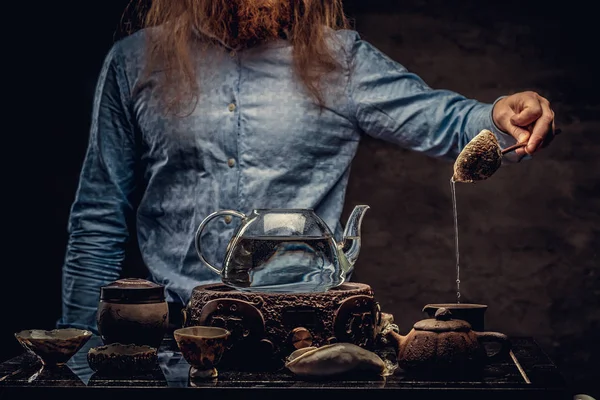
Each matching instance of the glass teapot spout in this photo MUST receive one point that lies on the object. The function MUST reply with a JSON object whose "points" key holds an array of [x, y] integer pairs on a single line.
{"points": [[350, 245]]}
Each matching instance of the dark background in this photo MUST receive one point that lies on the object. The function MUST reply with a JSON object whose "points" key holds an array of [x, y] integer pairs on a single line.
{"points": [[529, 236]]}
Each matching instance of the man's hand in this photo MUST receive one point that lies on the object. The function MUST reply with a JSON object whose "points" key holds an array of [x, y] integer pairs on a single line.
{"points": [[526, 116]]}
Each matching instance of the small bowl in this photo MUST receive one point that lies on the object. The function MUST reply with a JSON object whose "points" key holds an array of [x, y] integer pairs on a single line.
{"points": [[122, 359], [54, 347], [202, 347]]}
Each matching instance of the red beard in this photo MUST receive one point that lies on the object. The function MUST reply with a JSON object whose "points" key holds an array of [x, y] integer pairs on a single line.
{"points": [[242, 23]]}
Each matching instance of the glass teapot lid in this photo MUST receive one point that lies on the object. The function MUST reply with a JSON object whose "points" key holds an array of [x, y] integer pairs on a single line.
{"points": [[285, 222]]}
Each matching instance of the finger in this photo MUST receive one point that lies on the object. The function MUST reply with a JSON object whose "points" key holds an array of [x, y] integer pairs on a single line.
{"points": [[543, 127], [530, 113], [521, 153], [521, 134], [523, 138]]}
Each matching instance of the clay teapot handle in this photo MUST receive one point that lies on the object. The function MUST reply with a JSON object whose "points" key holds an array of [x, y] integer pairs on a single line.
{"points": [[501, 338]]}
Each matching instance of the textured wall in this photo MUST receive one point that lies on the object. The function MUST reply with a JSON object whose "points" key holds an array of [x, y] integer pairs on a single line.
{"points": [[529, 236]]}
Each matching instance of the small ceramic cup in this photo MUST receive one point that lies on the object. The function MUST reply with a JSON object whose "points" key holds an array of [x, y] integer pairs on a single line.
{"points": [[54, 347], [202, 347]]}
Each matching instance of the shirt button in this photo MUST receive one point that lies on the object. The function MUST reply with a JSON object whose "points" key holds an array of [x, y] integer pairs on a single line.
{"points": [[231, 107], [232, 53], [228, 219], [231, 162]]}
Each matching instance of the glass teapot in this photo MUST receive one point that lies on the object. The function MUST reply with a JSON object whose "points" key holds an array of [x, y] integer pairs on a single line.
{"points": [[286, 251]]}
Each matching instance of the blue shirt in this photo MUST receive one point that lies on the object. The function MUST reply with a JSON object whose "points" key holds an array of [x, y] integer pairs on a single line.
{"points": [[256, 139]]}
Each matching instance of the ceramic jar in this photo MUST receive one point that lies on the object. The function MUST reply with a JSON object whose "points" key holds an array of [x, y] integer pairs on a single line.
{"points": [[133, 311]]}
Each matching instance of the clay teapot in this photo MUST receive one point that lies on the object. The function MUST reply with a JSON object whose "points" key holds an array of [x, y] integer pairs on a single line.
{"points": [[285, 251], [446, 346]]}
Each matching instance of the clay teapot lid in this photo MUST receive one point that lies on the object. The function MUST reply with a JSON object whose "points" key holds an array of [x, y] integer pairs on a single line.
{"points": [[133, 291], [442, 322]]}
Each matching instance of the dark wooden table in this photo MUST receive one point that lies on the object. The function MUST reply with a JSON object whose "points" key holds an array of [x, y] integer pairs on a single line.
{"points": [[527, 374]]}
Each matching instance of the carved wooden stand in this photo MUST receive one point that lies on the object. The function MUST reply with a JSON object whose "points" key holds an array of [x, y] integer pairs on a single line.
{"points": [[267, 327]]}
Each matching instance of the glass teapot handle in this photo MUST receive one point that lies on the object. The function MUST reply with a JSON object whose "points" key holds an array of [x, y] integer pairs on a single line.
{"points": [[201, 228]]}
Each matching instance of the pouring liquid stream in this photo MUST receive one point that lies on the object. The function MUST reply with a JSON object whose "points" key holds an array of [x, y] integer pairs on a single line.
{"points": [[456, 248]]}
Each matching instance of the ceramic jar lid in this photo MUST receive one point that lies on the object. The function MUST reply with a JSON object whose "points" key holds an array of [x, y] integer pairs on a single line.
{"points": [[132, 291]]}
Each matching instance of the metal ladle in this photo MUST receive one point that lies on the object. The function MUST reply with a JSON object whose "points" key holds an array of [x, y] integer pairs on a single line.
{"points": [[480, 158]]}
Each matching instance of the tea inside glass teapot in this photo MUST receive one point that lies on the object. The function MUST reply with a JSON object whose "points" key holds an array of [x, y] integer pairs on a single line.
{"points": [[286, 251]]}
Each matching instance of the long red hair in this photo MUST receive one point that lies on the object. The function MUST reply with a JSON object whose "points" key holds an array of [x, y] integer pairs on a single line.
{"points": [[305, 23]]}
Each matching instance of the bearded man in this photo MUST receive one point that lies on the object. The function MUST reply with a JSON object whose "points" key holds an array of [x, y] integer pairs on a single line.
{"points": [[246, 104]]}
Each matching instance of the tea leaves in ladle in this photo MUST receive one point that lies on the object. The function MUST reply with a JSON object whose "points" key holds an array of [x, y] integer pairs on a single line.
{"points": [[480, 158]]}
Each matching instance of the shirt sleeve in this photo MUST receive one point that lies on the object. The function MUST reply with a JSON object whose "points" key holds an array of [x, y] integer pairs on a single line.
{"points": [[97, 226], [395, 105]]}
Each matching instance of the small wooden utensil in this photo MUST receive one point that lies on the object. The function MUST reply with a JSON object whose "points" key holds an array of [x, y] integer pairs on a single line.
{"points": [[513, 147]]}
